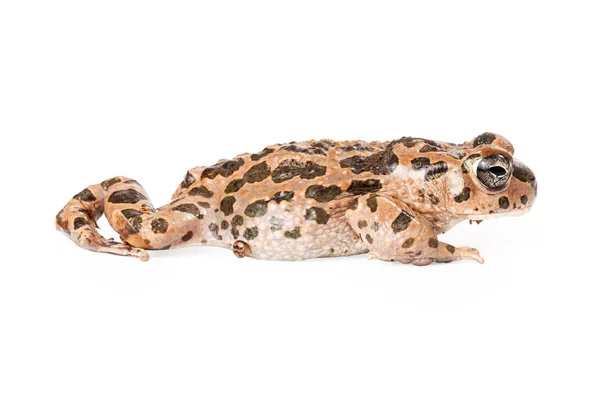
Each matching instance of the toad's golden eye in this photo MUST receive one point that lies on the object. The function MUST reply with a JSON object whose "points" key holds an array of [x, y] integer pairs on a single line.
{"points": [[493, 172]]}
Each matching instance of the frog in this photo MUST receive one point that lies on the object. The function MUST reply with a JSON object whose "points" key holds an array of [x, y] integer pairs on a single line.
{"points": [[314, 199]]}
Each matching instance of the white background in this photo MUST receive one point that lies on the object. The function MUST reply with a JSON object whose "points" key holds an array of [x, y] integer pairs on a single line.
{"points": [[89, 90]]}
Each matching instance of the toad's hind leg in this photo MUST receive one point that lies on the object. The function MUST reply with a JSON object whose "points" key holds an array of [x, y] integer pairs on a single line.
{"points": [[394, 232], [130, 212], [78, 218]]}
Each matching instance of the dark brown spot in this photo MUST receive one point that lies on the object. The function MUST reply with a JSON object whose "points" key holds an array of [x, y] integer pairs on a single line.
{"points": [[433, 199], [372, 203], [381, 163], [323, 144], [321, 193], [224, 225], [234, 185], [375, 226], [408, 242], [420, 162], [190, 209], [225, 169], [353, 205], [362, 224], [127, 196], [130, 213], [251, 233], [436, 170], [63, 224], [257, 156], [317, 214], [464, 195], [450, 248], [109, 182], [433, 171], [369, 238], [85, 195], [257, 209], [524, 200], [235, 232], [293, 234], [401, 222], [411, 142], [187, 180], [503, 202], [484, 138], [366, 186], [79, 222], [283, 196], [132, 181], [147, 208], [257, 173], [159, 225], [289, 169], [136, 222], [89, 216], [312, 150], [238, 220], [214, 229], [227, 205], [360, 146], [524, 174], [201, 191], [429, 148], [187, 236], [433, 243], [204, 205]]}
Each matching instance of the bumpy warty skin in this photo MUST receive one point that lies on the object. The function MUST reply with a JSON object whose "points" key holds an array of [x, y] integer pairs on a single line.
{"points": [[319, 198]]}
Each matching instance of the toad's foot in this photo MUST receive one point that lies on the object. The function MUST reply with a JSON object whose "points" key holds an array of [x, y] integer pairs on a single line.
{"points": [[456, 253], [102, 245]]}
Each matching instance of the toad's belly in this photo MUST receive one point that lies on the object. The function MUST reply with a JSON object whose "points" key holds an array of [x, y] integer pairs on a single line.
{"points": [[308, 240], [293, 232]]}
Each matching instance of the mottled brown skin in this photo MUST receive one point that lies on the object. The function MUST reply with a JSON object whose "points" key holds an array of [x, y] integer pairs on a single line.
{"points": [[317, 199]]}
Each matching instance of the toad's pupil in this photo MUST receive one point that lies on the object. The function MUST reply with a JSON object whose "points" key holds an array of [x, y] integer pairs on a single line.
{"points": [[498, 171]]}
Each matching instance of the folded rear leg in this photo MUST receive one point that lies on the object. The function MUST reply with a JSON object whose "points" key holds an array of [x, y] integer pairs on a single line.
{"points": [[130, 212], [78, 218]]}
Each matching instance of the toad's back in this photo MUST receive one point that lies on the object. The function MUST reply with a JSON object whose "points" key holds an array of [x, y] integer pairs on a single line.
{"points": [[291, 201]]}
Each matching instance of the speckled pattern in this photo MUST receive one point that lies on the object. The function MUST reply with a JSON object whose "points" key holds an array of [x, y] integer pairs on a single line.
{"points": [[320, 198]]}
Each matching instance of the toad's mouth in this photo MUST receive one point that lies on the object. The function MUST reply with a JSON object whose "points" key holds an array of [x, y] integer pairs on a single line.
{"points": [[515, 212]]}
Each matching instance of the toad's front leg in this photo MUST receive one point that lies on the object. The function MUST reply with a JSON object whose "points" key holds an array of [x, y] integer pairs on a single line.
{"points": [[394, 232]]}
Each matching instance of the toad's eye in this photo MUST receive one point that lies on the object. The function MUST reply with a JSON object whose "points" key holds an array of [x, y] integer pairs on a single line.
{"points": [[493, 172]]}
